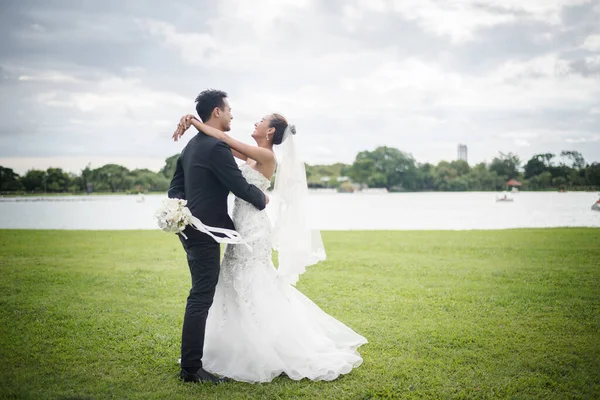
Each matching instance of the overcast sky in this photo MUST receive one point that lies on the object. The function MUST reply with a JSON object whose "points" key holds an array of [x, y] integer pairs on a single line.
{"points": [[106, 81]]}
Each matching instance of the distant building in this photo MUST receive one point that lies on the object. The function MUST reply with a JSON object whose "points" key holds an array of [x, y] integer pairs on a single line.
{"points": [[462, 152]]}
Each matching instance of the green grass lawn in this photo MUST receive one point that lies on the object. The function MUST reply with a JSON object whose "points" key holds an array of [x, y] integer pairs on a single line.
{"points": [[480, 314]]}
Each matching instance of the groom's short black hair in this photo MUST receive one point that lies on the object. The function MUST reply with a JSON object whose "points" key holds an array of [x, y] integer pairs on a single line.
{"points": [[207, 101]]}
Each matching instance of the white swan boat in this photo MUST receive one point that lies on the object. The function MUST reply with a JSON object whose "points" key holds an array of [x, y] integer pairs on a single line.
{"points": [[505, 199]]}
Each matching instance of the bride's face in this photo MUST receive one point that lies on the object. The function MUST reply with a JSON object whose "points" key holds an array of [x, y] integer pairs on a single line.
{"points": [[262, 128]]}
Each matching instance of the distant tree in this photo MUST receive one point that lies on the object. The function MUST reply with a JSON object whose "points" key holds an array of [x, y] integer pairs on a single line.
{"points": [[426, 176], [460, 184], [319, 176], [545, 179], [385, 167], [592, 175], [481, 178], [111, 177], [574, 158], [87, 177], [538, 164], [77, 184], [326, 170], [170, 164], [57, 180], [506, 165], [147, 180], [377, 180], [333, 183], [444, 175], [34, 180], [9, 180], [461, 167], [559, 182], [361, 170]]}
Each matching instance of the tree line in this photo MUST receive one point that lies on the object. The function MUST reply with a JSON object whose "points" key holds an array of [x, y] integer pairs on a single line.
{"points": [[384, 167], [110, 178], [395, 170]]}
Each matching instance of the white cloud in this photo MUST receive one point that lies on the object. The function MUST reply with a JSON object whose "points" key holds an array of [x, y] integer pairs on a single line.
{"points": [[412, 84], [270, 11], [521, 135], [461, 19], [548, 135], [458, 20], [584, 139], [60, 26], [522, 143], [194, 48], [543, 37], [49, 76], [399, 83], [344, 73], [548, 10], [592, 43], [239, 38], [114, 95], [38, 28], [400, 91]]}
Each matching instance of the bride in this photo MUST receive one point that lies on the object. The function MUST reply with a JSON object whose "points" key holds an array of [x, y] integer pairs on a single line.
{"points": [[260, 326]]}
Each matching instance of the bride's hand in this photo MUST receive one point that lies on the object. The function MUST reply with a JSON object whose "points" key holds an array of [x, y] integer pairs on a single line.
{"points": [[184, 124]]}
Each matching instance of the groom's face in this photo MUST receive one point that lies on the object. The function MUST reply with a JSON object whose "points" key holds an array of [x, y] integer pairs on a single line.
{"points": [[225, 116]]}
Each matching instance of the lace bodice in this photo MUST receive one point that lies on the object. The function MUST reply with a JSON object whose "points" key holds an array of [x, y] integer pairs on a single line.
{"points": [[254, 226], [255, 178]]}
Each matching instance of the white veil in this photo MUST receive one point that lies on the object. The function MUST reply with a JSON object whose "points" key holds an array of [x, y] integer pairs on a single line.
{"points": [[297, 244]]}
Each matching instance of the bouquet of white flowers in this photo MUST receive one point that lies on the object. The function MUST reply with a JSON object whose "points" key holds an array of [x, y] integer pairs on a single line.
{"points": [[173, 216]]}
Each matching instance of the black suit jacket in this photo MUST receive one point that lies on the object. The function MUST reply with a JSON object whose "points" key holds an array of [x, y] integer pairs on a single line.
{"points": [[205, 174]]}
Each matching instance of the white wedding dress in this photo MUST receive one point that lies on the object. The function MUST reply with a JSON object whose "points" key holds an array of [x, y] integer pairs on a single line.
{"points": [[258, 327]]}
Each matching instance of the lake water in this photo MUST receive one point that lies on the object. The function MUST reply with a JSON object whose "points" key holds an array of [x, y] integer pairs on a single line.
{"points": [[330, 211]]}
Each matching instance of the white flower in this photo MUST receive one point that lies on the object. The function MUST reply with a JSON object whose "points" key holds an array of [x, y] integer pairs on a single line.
{"points": [[173, 215]]}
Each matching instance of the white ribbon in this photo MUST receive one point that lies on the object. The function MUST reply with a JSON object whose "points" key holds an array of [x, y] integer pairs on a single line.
{"points": [[231, 236]]}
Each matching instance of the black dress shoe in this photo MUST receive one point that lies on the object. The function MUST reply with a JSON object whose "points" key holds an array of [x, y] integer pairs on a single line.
{"points": [[201, 376]]}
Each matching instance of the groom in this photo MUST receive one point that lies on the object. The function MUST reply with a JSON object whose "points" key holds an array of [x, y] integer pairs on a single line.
{"points": [[205, 174]]}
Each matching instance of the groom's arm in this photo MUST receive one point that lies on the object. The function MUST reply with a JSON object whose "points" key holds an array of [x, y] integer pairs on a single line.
{"points": [[177, 187], [227, 171]]}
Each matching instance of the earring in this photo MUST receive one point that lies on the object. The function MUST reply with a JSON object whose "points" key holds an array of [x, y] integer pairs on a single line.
{"points": [[267, 137]]}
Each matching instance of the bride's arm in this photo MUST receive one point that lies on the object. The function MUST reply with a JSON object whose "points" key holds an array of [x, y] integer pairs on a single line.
{"points": [[262, 156], [239, 155], [185, 123]]}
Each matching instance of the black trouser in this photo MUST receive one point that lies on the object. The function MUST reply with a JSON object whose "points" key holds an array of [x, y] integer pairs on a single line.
{"points": [[204, 262]]}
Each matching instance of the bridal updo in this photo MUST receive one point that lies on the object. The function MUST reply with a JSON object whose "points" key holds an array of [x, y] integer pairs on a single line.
{"points": [[280, 124]]}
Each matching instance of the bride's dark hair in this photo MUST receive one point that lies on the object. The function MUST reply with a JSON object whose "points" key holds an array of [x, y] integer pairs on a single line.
{"points": [[279, 122]]}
